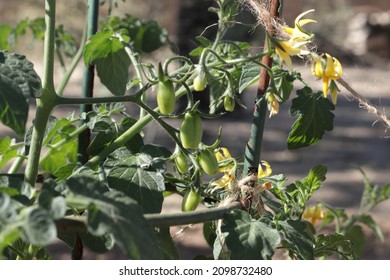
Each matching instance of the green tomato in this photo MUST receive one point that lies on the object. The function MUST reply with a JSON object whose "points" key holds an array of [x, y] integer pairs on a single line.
{"points": [[208, 161], [181, 163], [200, 82], [166, 97], [190, 201], [191, 131], [229, 103]]}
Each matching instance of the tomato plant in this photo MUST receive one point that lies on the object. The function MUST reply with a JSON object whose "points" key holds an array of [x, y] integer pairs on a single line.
{"points": [[114, 192]]}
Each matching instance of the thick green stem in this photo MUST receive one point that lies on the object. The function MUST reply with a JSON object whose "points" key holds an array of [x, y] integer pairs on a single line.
{"points": [[88, 81], [253, 148], [48, 100], [159, 220]]}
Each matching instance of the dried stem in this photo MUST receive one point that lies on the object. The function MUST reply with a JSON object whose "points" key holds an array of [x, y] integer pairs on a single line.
{"points": [[365, 103]]}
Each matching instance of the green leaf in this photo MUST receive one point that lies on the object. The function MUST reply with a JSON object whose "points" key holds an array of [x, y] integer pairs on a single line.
{"points": [[8, 209], [101, 45], [166, 244], [315, 178], [111, 60], [209, 233], [385, 192], [197, 51], [13, 106], [5, 33], [203, 41], [5, 144], [145, 36], [39, 227], [56, 131], [369, 221], [18, 82], [250, 74], [112, 212], [357, 237], [65, 41], [7, 236], [298, 240], [8, 150], [113, 71], [282, 82], [138, 177], [315, 117], [37, 27], [247, 238], [21, 72], [65, 171], [51, 200], [101, 141], [156, 151], [330, 244], [18, 184], [153, 37], [108, 131]]}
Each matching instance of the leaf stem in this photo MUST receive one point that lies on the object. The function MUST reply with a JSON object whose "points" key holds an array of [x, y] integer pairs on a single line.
{"points": [[72, 67], [138, 70]]}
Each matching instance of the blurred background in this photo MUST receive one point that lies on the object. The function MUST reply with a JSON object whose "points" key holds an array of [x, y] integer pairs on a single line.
{"points": [[357, 32]]}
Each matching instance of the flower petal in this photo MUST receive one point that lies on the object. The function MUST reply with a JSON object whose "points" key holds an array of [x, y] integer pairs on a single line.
{"points": [[325, 85], [264, 172], [298, 18]]}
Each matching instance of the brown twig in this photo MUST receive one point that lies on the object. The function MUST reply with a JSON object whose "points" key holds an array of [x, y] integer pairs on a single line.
{"points": [[365, 103]]}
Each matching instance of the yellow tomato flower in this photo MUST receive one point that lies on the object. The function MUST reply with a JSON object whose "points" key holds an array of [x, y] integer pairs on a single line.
{"points": [[298, 34], [227, 180], [313, 213], [327, 68], [221, 155], [261, 173], [285, 49], [295, 44]]}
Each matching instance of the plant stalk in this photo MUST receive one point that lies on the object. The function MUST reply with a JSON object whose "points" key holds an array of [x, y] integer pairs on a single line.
{"points": [[88, 79], [67, 225], [253, 147], [48, 99]]}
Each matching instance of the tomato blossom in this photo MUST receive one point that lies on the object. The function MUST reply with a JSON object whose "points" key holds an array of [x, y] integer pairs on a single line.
{"points": [[298, 34], [313, 213], [285, 49], [296, 43], [261, 173], [328, 69], [227, 166]]}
